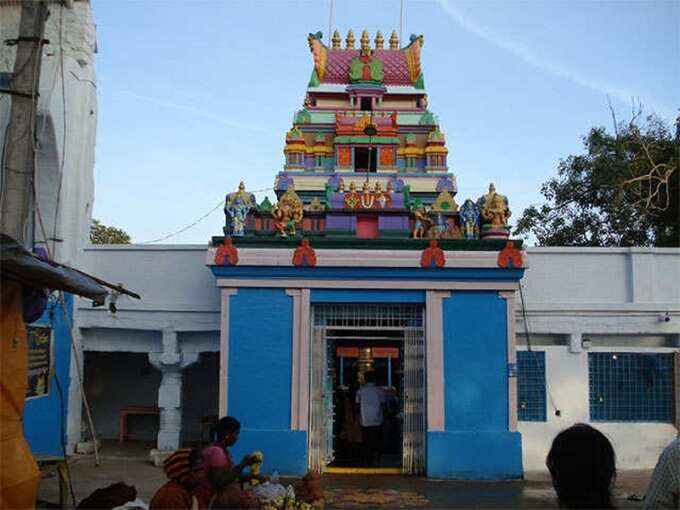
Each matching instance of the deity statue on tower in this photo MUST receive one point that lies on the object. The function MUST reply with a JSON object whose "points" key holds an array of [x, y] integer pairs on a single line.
{"points": [[236, 207], [469, 218], [288, 213], [495, 214]]}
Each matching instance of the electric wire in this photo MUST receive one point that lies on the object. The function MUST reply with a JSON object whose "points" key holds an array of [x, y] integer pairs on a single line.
{"points": [[557, 410], [196, 222], [64, 125]]}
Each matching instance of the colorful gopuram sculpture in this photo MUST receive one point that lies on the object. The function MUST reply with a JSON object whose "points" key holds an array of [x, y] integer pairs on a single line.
{"points": [[365, 157], [236, 207]]}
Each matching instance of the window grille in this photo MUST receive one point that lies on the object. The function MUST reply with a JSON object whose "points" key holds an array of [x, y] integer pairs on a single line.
{"points": [[631, 387], [368, 316], [531, 386]]}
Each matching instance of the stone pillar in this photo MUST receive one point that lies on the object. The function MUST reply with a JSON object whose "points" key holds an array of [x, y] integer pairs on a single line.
{"points": [[170, 403], [170, 362]]}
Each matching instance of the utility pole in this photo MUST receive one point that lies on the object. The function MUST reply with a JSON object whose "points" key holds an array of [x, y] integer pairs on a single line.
{"points": [[20, 158]]}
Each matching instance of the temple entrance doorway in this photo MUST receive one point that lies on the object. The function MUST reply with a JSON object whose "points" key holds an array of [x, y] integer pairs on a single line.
{"points": [[354, 343]]}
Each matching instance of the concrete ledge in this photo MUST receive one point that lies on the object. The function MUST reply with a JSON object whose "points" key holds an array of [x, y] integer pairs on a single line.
{"points": [[285, 451], [486, 455]]}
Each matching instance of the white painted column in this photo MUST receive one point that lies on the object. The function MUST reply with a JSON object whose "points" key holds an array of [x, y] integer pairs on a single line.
{"points": [[434, 345], [225, 293], [509, 297], [299, 411], [170, 362]]}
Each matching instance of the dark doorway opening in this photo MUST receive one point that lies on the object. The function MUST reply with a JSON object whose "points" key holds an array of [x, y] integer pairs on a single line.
{"points": [[367, 104], [355, 353], [200, 398], [114, 381], [365, 159]]}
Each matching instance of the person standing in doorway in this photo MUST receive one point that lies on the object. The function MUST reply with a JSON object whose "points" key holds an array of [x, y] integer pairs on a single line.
{"points": [[370, 399]]}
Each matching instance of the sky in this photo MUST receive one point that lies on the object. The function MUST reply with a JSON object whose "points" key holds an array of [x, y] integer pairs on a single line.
{"points": [[197, 95]]}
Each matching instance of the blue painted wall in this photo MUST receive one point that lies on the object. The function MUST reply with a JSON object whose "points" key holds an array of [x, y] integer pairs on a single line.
{"points": [[45, 417], [260, 372], [447, 274], [476, 443]]}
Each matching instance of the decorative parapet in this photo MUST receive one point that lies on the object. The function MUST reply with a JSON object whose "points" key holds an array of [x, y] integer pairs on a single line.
{"points": [[510, 257], [433, 256], [226, 255], [304, 255]]}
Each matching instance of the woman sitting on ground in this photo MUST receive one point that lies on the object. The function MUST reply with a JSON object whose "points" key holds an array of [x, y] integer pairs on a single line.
{"points": [[223, 475], [187, 487], [582, 465]]}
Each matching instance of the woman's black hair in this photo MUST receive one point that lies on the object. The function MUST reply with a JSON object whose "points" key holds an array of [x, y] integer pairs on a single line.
{"points": [[582, 464], [224, 426]]}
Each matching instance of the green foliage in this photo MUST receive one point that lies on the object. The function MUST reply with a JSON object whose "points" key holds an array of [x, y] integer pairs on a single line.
{"points": [[101, 234], [623, 191]]}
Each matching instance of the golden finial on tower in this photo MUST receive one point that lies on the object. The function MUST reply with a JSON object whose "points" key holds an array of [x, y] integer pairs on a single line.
{"points": [[394, 40], [350, 40], [336, 40], [379, 40], [365, 42]]}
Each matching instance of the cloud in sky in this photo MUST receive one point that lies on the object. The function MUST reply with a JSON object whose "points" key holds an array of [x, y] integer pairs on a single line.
{"points": [[525, 53], [196, 112]]}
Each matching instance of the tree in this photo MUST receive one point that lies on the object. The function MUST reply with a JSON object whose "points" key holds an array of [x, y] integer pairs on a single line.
{"points": [[101, 234], [623, 191]]}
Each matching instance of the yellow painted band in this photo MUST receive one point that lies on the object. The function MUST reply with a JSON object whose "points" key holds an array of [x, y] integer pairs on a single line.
{"points": [[362, 471]]}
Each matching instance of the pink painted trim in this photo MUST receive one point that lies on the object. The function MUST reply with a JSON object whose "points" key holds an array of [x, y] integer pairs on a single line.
{"points": [[295, 369], [434, 332], [224, 349], [304, 362], [299, 402], [509, 297]]}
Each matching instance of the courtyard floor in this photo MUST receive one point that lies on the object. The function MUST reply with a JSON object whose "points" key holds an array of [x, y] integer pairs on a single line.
{"points": [[130, 464]]}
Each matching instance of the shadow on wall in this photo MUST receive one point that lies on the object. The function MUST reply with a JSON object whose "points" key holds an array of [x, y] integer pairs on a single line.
{"points": [[200, 395]]}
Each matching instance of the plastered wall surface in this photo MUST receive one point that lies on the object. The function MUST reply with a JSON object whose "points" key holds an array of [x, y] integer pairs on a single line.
{"points": [[568, 291], [637, 444]]}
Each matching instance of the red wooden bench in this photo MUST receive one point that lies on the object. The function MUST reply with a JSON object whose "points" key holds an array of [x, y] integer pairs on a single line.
{"points": [[133, 410]]}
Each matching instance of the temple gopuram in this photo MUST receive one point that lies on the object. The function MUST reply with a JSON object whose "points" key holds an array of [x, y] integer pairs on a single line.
{"points": [[367, 263]]}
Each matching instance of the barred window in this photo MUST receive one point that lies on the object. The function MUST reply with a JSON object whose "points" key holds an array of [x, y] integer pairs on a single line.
{"points": [[631, 386], [531, 386]]}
